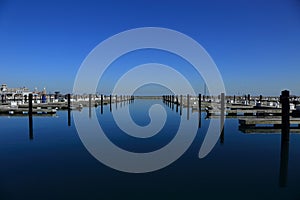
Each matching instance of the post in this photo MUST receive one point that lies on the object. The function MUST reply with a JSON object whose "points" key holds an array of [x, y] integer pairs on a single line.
{"points": [[199, 105], [222, 117], [69, 109], [249, 98], [180, 105], [199, 102], [172, 102], [233, 98], [260, 98], [110, 103], [116, 102], [2, 98], [285, 115], [188, 106], [30, 117], [177, 103], [30, 105], [101, 100], [90, 100]]}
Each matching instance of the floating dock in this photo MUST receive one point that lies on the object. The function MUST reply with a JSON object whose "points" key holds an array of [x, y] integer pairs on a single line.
{"points": [[246, 112], [24, 111], [275, 122]]}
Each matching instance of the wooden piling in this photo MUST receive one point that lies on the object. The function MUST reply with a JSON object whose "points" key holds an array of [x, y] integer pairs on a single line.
{"points": [[90, 100], [30, 105], [188, 106], [30, 117], [180, 105], [177, 103], [285, 115], [110, 108], [101, 103], [172, 102], [260, 98], [199, 116], [199, 102], [249, 98], [69, 109], [116, 102], [222, 119]]}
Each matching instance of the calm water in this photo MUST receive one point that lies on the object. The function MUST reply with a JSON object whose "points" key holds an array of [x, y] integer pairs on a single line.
{"points": [[56, 165]]}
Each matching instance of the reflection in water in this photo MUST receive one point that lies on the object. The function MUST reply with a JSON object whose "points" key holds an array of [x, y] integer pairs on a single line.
{"points": [[69, 117], [221, 169], [181, 105], [284, 158], [30, 127], [222, 118], [284, 161], [90, 112], [222, 136], [199, 119]]}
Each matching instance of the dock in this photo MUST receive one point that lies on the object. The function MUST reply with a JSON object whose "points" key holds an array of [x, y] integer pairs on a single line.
{"points": [[266, 122], [246, 112], [24, 111]]}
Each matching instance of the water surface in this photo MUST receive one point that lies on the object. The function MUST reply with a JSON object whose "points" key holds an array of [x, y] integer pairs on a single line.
{"points": [[56, 165]]}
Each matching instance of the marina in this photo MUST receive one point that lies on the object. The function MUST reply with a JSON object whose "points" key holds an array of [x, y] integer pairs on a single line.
{"points": [[261, 121]]}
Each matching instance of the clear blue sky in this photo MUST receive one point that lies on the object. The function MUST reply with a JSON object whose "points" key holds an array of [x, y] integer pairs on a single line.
{"points": [[255, 44]]}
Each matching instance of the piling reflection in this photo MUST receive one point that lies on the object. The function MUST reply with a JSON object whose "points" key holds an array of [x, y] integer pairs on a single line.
{"points": [[284, 161], [188, 107], [199, 119], [69, 117], [30, 127], [222, 118]]}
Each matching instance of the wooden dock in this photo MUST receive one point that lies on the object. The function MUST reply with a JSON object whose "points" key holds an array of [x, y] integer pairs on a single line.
{"points": [[266, 130], [246, 112], [276, 122], [24, 111]]}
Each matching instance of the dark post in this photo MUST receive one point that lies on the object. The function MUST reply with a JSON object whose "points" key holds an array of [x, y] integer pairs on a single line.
{"points": [[285, 115], [180, 105], [116, 102], [188, 106], [69, 101], [110, 103], [177, 103], [199, 102], [69, 109], [30, 117], [233, 98], [172, 102], [249, 98], [260, 98], [30, 105], [90, 100], [101, 103], [222, 117], [2, 98], [199, 116]]}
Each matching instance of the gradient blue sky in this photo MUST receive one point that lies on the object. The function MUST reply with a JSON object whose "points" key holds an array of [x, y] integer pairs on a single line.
{"points": [[255, 44]]}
